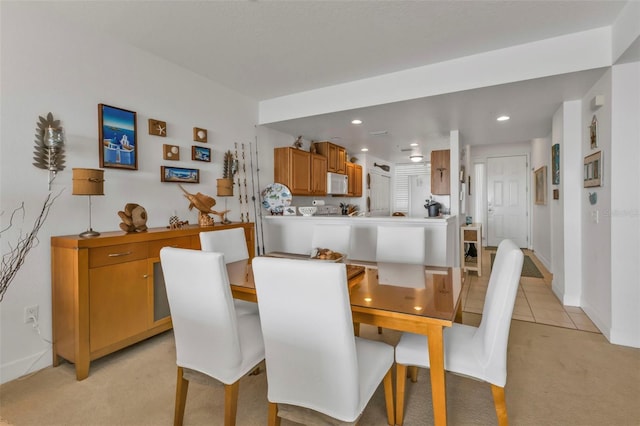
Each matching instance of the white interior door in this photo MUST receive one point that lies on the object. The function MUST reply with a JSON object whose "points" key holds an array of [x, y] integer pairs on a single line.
{"points": [[507, 203]]}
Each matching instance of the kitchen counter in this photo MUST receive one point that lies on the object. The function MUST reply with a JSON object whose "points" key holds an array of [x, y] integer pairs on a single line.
{"points": [[292, 234]]}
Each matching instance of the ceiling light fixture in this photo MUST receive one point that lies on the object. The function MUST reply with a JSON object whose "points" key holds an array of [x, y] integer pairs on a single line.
{"points": [[413, 144], [503, 118], [416, 157], [364, 149], [356, 121]]}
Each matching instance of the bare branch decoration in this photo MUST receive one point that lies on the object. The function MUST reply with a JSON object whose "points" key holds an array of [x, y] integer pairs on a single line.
{"points": [[13, 260]]}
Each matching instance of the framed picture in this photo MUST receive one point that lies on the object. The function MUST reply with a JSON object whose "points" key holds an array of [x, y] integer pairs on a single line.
{"points": [[540, 176], [593, 170], [179, 174], [117, 143], [593, 132], [171, 152], [157, 128], [289, 211], [199, 153], [199, 135], [555, 164]]}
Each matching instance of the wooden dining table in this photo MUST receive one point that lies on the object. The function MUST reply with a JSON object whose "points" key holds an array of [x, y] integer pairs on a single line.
{"points": [[414, 298]]}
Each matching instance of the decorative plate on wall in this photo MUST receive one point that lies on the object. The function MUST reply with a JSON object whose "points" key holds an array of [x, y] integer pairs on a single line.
{"points": [[275, 197]]}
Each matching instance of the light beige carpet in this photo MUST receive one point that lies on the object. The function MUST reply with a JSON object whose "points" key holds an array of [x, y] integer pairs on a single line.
{"points": [[556, 377]]}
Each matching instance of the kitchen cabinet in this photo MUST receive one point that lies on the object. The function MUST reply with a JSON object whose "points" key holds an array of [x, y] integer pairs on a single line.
{"points": [[336, 156], [357, 174], [440, 169], [302, 172], [354, 172], [471, 234], [108, 292]]}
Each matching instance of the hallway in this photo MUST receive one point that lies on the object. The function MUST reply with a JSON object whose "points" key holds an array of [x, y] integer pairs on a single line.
{"points": [[535, 301]]}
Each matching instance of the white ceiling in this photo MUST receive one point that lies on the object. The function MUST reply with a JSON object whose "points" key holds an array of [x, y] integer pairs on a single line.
{"points": [[266, 49]]}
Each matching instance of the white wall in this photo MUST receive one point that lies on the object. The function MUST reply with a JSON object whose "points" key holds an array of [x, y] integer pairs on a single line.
{"points": [[556, 211], [541, 214], [69, 72], [625, 204], [571, 162], [596, 223]]}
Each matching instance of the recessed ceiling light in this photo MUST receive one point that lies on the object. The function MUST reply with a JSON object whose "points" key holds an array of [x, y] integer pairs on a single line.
{"points": [[503, 118], [356, 121], [413, 144], [364, 149]]}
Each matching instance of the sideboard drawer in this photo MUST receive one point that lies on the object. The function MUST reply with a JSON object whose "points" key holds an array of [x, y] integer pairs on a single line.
{"points": [[111, 255], [155, 246]]}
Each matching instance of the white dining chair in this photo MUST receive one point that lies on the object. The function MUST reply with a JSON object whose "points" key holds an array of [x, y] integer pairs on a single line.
{"points": [[232, 243], [315, 366], [476, 352], [334, 237], [400, 244], [212, 340]]}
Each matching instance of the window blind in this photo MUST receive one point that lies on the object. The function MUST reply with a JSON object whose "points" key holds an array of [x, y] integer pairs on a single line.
{"points": [[401, 183]]}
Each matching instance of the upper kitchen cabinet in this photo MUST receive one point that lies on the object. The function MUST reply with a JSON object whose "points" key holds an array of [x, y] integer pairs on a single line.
{"points": [[440, 167], [354, 172], [302, 172], [336, 156]]}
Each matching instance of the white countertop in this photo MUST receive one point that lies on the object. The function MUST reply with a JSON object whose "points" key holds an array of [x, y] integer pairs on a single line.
{"points": [[293, 234], [404, 219]]}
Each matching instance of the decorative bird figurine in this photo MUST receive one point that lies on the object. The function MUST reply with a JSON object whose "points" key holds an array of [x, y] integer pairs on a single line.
{"points": [[204, 204], [298, 142]]}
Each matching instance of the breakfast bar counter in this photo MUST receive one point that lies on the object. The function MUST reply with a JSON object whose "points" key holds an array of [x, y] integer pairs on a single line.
{"points": [[292, 234]]}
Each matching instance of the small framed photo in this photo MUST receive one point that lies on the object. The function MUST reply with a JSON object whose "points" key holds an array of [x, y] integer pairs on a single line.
{"points": [[593, 132], [179, 174], [541, 185], [157, 128], [199, 153], [199, 135], [593, 170], [171, 152], [289, 211], [555, 164], [117, 138]]}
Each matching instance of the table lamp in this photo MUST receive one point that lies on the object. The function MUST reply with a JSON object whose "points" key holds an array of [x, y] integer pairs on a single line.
{"points": [[88, 182]]}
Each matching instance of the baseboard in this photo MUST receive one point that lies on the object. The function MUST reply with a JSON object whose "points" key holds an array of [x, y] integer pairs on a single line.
{"points": [[543, 260], [24, 366], [624, 338], [604, 328]]}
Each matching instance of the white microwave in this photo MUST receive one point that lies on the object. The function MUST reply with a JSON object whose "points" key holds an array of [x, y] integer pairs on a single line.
{"points": [[337, 184]]}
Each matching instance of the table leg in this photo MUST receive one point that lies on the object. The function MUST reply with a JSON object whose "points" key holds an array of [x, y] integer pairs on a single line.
{"points": [[438, 384]]}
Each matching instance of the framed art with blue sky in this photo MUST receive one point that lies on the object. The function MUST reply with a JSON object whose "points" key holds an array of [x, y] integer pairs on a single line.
{"points": [[118, 143]]}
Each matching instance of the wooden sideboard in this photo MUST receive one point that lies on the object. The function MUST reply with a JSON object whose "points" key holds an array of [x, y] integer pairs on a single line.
{"points": [[108, 292]]}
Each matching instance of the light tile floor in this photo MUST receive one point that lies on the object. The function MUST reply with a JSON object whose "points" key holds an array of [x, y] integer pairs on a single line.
{"points": [[535, 301]]}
